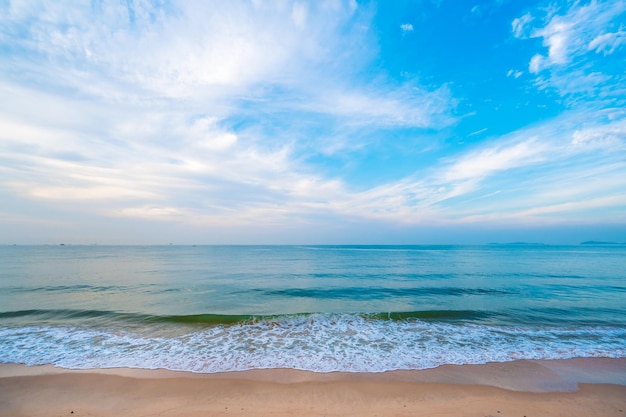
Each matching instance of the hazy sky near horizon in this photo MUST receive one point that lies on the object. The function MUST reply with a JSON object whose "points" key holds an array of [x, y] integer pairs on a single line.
{"points": [[425, 121]]}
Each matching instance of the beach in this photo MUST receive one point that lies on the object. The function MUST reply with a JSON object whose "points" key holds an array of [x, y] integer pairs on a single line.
{"points": [[577, 387]]}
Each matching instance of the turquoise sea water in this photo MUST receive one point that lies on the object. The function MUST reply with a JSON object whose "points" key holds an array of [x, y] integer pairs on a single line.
{"points": [[321, 308]]}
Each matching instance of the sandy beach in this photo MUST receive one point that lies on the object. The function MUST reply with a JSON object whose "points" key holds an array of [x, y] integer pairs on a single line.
{"points": [[578, 387]]}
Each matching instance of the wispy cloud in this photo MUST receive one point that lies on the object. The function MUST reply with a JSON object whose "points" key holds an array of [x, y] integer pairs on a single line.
{"points": [[249, 114], [514, 73], [149, 98], [521, 177], [520, 25], [608, 43], [572, 36], [176, 48]]}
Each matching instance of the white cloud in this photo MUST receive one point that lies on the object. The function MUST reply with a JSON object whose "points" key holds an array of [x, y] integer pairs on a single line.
{"points": [[611, 136], [514, 73], [520, 25], [151, 212], [491, 160], [216, 55], [608, 43], [579, 29], [176, 48], [206, 134], [569, 36], [406, 106], [299, 13], [536, 63], [576, 206], [558, 38], [559, 165]]}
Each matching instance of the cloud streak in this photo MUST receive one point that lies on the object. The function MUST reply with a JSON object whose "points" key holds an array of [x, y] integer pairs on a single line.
{"points": [[573, 36], [559, 164]]}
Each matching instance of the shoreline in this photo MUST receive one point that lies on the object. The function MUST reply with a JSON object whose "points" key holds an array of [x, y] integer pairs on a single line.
{"points": [[558, 375], [571, 387]]}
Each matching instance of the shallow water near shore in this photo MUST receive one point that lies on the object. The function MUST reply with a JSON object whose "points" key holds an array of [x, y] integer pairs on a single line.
{"points": [[319, 308]]}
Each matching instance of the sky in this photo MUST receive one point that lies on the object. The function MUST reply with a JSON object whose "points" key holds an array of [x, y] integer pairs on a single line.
{"points": [[329, 121]]}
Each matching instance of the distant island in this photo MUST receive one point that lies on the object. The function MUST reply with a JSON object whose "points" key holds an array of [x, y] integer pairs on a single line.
{"points": [[595, 242]]}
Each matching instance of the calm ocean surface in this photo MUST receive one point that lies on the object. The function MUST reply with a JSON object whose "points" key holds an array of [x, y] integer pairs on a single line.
{"points": [[320, 308]]}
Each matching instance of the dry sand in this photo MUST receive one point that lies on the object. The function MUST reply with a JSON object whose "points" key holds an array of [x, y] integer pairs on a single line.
{"points": [[522, 388]]}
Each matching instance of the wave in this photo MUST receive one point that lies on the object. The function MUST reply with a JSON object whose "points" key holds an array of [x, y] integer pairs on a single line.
{"points": [[358, 293], [66, 289], [70, 315], [315, 342], [580, 316]]}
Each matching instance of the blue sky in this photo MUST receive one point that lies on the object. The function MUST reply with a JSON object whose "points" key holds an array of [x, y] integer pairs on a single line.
{"points": [[425, 121]]}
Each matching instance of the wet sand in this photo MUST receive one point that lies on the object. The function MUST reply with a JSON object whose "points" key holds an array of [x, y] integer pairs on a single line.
{"points": [[575, 387]]}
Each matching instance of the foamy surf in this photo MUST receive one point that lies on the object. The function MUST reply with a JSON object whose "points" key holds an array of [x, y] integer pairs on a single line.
{"points": [[314, 342]]}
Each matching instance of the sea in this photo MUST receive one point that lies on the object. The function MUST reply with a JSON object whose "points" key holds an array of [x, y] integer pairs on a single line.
{"points": [[210, 309]]}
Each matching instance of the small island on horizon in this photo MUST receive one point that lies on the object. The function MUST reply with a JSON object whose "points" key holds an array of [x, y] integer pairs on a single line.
{"points": [[595, 242]]}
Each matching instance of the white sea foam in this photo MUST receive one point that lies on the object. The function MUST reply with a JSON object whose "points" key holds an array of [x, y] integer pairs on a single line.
{"points": [[321, 343]]}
